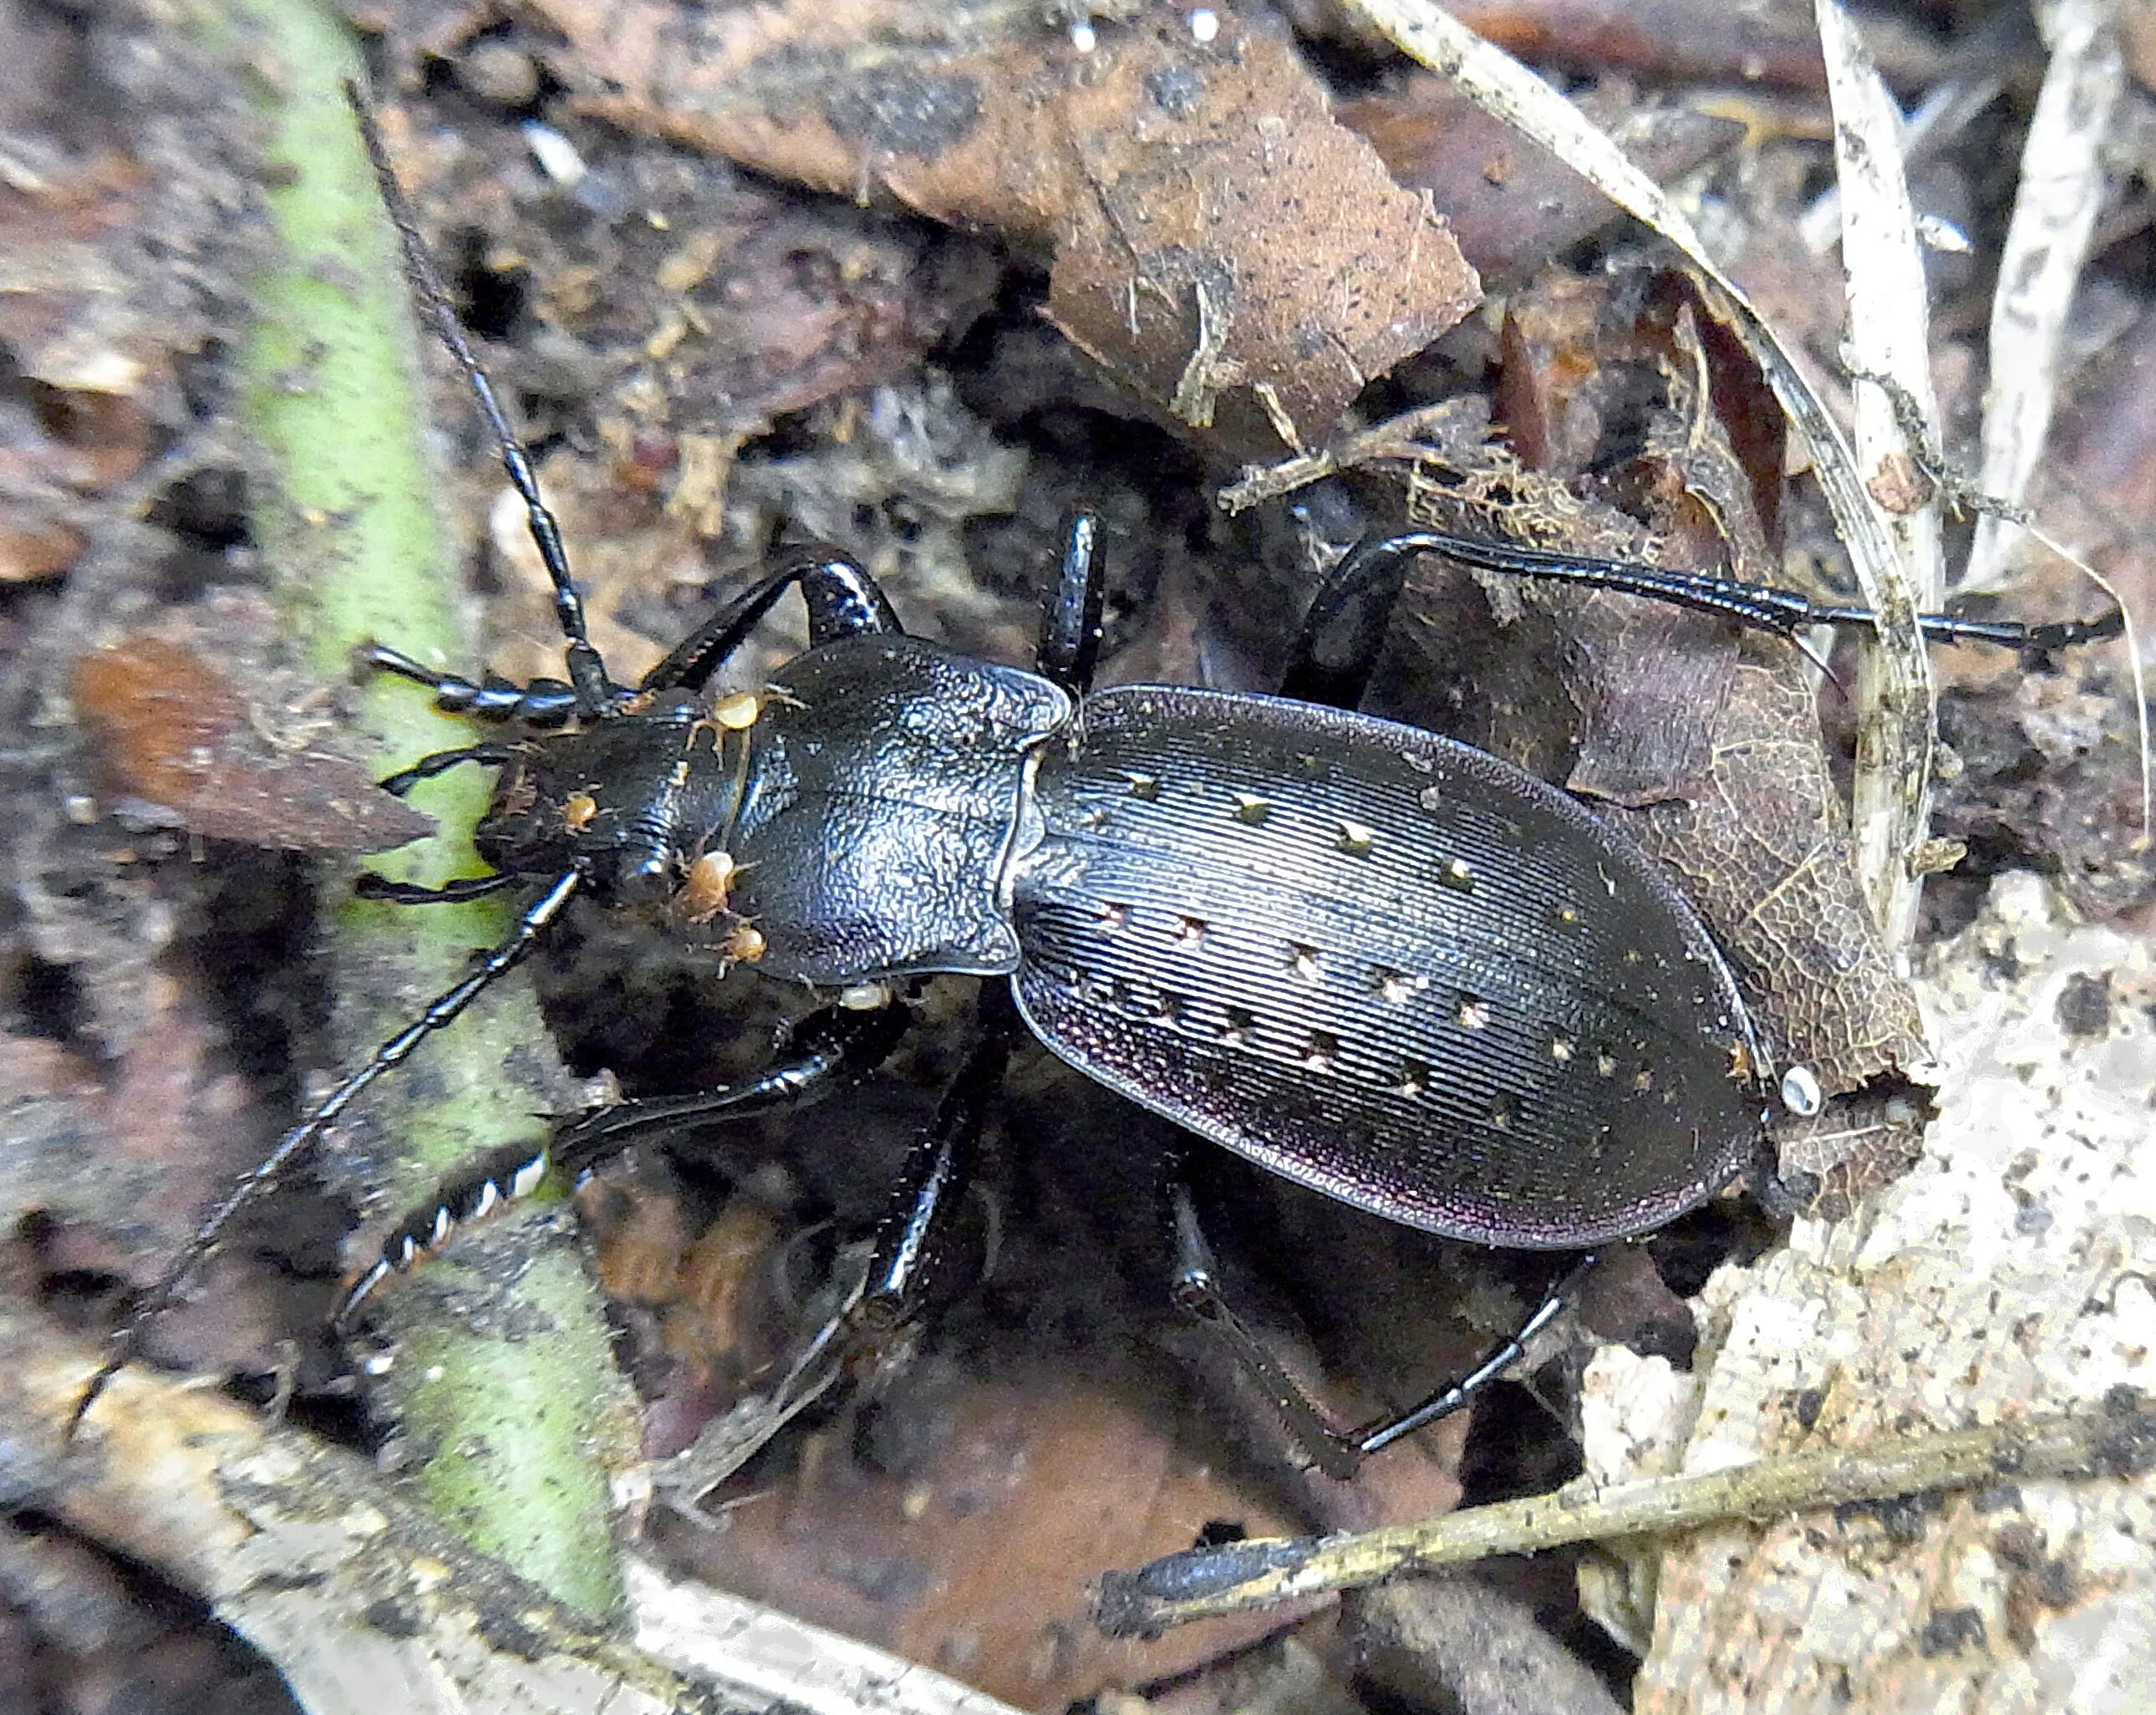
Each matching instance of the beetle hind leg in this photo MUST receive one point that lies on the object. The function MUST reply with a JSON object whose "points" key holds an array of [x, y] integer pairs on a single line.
{"points": [[1335, 1451], [1374, 1437], [1343, 632], [1194, 1288]]}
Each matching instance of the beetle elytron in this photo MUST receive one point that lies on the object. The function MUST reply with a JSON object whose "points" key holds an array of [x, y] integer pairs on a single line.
{"points": [[1377, 961]]}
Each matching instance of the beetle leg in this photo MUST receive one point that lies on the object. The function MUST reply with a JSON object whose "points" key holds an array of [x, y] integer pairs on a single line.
{"points": [[912, 1248], [1763, 606], [1069, 645], [367, 886], [441, 1011], [485, 756], [1195, 1289], [544, 702], [821, 1054], [1336, 1452], [842, 599], [1343, 633], [823, 1051], [1499, 1357]]}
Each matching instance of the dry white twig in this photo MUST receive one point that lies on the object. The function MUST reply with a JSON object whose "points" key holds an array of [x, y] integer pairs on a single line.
{"points": [[363, 1602], [2054, 211], [742, 1644], [1889, 337]]}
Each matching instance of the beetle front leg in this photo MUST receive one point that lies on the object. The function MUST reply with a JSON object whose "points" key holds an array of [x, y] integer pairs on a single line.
{"points": [[440, 1012], [544, 702], [841, 599]]}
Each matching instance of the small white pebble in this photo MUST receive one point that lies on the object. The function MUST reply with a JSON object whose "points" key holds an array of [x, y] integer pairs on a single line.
{"points": [[1204, 25], [1800, 1091], [1083, 36], [557, 155]]}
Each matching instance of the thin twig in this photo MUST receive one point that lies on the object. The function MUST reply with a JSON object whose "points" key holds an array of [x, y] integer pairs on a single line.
{"points": [[2117, 1439]]}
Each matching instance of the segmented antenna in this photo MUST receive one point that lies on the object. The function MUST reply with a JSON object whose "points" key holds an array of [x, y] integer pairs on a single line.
{"points": [[442, 1011], [588, 674]]}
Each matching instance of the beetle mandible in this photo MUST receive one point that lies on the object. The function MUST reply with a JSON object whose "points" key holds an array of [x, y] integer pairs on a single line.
{"points": [[1375, 961]]}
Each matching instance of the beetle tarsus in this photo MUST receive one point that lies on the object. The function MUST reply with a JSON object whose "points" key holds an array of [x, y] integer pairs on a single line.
{"points": [[1374, 1437], [484, 756], [367, 885], [542, 704]]}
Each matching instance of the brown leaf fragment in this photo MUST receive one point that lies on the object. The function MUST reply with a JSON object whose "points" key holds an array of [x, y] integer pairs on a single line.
{"points": [[1238, 254], [1222, 246], [968, 1542], [173, 731], [1680, 41], [1764, 852], [1512, 205], [31, 551], [1703, 745]]}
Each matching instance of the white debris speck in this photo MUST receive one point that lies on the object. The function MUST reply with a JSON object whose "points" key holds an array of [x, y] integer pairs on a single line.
{"points": [[557, 155]]}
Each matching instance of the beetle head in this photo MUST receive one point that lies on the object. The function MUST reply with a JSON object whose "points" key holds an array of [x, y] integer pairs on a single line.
{"points": [[629, 803]]}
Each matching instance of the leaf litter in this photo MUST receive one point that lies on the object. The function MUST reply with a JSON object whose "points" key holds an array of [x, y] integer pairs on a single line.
{"points": [[636, 336]]}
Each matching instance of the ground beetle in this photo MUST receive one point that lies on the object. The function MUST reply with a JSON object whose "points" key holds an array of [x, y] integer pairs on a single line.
{"points": [[1379, 962]]}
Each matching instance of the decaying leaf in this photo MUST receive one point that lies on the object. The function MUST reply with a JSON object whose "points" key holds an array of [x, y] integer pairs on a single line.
{"points": [[1510, 204], [173, 731], [1702, 744], [1221, 245]]}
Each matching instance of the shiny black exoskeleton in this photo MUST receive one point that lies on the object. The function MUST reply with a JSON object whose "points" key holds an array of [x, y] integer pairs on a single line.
{"points": [[1379, 962]]}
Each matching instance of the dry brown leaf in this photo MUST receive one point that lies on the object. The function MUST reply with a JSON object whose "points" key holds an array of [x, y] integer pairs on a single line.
{"points": [[172, 731], [976, 1557], [1222, 246], [1703, 746], [1511, 204]]}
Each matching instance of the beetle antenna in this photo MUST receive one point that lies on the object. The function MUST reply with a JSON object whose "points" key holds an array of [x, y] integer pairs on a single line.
{"points": [[587, 674], [441, 1011]]}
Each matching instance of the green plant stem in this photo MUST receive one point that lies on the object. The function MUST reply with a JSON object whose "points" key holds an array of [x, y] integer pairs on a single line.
{"points": [[502, 1376]]}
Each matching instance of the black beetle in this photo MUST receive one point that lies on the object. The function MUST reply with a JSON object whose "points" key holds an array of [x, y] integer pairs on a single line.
{"points": [[1377, 961]]}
